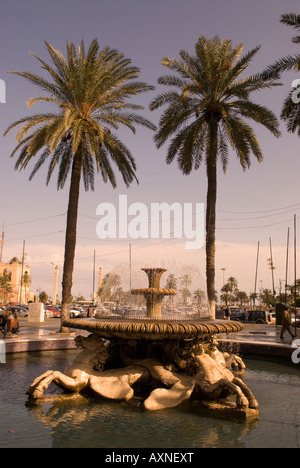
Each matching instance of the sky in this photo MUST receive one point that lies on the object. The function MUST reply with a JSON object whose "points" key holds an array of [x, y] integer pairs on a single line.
{"points": [[252, 208]]}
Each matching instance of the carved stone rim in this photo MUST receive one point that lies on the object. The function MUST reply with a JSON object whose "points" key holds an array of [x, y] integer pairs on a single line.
{"points": [[154, 329], [154, 291]]}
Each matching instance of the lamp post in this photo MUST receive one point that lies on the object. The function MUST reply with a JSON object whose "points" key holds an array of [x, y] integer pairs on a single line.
{"points": [[22, 270], [55, 283], [223, 269]]}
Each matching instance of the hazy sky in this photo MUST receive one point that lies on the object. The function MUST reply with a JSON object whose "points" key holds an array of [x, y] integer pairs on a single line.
{"points": [[252, 206]]}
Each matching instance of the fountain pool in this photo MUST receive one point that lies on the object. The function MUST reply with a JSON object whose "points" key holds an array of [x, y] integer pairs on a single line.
{"points": [[104, 424]]}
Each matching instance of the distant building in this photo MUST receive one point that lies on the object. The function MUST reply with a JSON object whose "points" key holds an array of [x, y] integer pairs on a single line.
{"points": [[14, 271]]}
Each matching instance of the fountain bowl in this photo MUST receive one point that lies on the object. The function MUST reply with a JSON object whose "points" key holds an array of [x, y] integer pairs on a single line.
{"points": [[154, 330]]}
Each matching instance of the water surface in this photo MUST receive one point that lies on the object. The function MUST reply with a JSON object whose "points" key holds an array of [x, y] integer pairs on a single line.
{"points": [[101, 424]]}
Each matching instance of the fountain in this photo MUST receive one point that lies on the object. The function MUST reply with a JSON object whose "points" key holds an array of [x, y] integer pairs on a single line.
{"points": [[165, 361], [154, 294]]}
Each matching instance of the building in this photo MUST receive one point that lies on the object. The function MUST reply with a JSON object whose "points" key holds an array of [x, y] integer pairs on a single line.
{"points": [[13, 293]]}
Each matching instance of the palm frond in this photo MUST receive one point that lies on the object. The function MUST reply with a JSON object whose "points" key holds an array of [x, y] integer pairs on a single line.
{"points": [[291, 19], [92, 89], [291, 114], [210, 93]]}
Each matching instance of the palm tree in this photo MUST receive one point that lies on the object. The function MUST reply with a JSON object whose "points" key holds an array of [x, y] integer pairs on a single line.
{"points": [[199, 295], [291, 109], [233, 286], [242, 297], [5, 285], [225, 293], [207, 112], [91, 91], [26, 282], [186, 281], [171, 283]]}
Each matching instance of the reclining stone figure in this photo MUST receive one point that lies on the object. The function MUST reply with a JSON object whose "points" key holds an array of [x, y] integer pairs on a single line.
{"points": [[199, 375]]}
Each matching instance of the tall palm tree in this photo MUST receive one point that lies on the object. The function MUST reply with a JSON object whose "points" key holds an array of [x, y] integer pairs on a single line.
{"points": [[26, 283], [207, 112], [91, 91], [233, 286], [291, 109]]}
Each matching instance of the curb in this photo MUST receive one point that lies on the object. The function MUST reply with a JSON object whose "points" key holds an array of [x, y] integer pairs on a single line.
{"points": [[24, 346], [248, 348]]}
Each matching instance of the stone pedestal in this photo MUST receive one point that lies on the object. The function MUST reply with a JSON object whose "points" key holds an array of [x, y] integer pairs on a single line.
{"points": [[154, 295], [36, 313]]}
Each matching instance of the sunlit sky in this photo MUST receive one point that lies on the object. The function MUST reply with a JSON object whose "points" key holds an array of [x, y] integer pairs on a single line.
{"points": [[252, 207]]}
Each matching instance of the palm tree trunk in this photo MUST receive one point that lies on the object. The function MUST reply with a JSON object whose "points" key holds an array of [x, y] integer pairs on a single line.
{"points": [[71, 235], [211, 164]]}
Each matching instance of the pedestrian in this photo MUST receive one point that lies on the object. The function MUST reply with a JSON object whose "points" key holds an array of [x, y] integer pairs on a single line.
{"points": [[246, 316], [3, 324], [9, 319], [227, 313], [286, 324], [14, 325]]}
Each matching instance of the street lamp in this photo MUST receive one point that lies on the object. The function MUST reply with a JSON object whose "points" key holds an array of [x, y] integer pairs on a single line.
{"points": [[223, 269], [55, 284]]}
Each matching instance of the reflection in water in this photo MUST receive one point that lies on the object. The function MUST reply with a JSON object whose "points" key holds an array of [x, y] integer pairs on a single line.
{"points": [[86, 422], [95, 423]]}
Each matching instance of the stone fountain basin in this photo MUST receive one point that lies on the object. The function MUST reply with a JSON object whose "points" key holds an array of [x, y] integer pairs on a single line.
{"points": [[154, 330]]}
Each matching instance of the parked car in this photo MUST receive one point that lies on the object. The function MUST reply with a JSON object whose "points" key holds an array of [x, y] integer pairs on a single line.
{"points": [[52, 312], [257, 316], [75, 312], [20, 311], [236, 312], [102, 312]]}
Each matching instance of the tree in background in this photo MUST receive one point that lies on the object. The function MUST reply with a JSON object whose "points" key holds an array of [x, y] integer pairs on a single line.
{"points": [[43, 297], [186, 281], [225, 293], [242, 297], [171, 283], [26, 281], [199, 295], [5, 286], [110, 289]]}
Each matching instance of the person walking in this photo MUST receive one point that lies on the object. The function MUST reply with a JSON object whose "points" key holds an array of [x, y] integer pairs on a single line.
{"points": [[286, 324], [3, 324], [227, 314]]}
